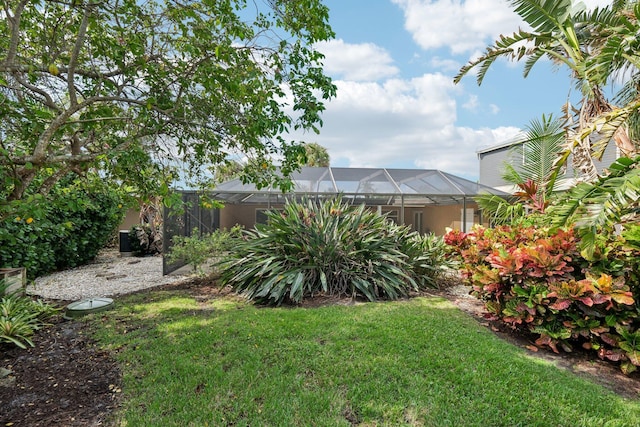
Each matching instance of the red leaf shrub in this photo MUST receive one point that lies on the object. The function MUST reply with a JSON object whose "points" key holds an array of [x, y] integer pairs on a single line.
{"points": [[535, 281]]}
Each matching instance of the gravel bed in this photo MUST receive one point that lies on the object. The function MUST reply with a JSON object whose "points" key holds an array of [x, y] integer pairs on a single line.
{"points": [[108, 275]]}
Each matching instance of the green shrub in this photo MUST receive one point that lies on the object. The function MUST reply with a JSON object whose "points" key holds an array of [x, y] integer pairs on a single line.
{"points": [[65, 229], [536, 281], [631, 235], [330, 248], [428, 259], [20, 317], [197, 249]]}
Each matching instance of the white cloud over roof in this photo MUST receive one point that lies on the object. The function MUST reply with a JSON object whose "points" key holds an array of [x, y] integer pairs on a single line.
{"points": [[383, 118], [381, 124]]}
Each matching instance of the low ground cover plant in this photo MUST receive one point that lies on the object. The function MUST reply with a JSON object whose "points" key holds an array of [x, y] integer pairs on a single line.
{"points": [[536, 281], [20, 317], [334, 248]]}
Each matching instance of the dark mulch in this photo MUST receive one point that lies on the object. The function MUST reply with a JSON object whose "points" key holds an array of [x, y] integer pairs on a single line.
{"points": [[66, 380]]}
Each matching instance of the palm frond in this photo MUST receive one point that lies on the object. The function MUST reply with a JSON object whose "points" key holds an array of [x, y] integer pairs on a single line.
{"points": [[604, 126], [629, 91], [484, 61], [543, 15], [510, 47], [601, 17], [569, 206], [510, 174], [539, 150], [607, 125], [499, 211], [593, 207], [531, 61]]}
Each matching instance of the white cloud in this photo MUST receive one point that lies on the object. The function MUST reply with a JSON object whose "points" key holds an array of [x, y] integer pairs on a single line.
{"points": [[455, 151], [357, 62], [402, 123], [445, 64], [461, 26], [471, 104], [381, 120], [592, 4]]}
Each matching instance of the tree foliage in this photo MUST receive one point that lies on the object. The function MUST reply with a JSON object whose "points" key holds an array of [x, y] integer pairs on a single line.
{"points": [[600, 48], [63, 230], [316, 155], [594, 45], [600, 206], [114, 85], [531, 171]]}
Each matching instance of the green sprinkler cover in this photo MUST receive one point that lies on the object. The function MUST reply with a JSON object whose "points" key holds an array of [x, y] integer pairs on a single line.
{"points": [[87, 306]]}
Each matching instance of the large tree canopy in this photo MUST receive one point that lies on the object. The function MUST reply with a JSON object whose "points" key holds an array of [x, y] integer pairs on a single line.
{"points": [[108, 84]]}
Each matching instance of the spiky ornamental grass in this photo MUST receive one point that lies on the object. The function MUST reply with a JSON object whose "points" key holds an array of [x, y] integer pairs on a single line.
{"points": [[329, 247]]}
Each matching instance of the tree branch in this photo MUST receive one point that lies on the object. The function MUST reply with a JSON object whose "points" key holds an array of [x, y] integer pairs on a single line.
{"points": [[48, 101], [73, 62], [14, 23]]}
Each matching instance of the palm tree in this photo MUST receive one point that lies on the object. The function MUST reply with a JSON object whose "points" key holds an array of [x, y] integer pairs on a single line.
{"points": [[577, 39], [599, 48], [538, 148], [600, 206], [316, 155]]}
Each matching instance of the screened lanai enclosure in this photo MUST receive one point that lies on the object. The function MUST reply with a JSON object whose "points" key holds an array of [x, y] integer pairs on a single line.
{"points": [[428, 201]]}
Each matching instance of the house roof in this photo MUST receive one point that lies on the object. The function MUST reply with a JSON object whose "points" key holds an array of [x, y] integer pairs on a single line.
{"points": [[516, 140], [371, 185]]}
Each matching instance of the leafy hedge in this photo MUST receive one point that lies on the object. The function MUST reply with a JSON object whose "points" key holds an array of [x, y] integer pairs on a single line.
{"points": [[536, 281], [331, 248], [65, 229]]}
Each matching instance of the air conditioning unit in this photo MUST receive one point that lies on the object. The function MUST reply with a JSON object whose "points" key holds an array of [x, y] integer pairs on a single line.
{"points": [[124, 243]]}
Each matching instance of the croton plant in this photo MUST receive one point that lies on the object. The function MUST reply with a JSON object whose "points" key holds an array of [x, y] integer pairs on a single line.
{"points": [[535, 281]]}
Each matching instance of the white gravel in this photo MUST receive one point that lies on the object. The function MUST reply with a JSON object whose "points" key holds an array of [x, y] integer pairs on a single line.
{"points": [[108, 275]]}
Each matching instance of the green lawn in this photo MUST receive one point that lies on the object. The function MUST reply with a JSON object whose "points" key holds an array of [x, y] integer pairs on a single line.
{"points": [[417, 363]]}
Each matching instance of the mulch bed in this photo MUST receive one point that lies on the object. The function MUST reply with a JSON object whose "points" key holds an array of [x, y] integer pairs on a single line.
{"points": [[66, 380], [63, 381]]}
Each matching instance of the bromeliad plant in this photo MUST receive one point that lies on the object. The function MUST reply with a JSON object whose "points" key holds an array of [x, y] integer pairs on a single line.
{"points": [[329, 248], [428, 259], [20, 317], [535, 281]]}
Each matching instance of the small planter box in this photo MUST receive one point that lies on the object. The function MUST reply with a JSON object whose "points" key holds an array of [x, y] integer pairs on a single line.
{"points": [[15, 278]]}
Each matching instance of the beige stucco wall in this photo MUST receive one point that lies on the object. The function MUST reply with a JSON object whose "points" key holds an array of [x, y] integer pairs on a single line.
{"points": [[132, 217], [438, 218], [244, 215], [435, 219]]}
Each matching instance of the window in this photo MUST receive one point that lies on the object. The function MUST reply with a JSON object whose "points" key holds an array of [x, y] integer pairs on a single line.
{"points": [[417, 221]]}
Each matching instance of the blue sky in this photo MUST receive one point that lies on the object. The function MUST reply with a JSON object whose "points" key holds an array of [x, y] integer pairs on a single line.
{"points": [[393, 62]]}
